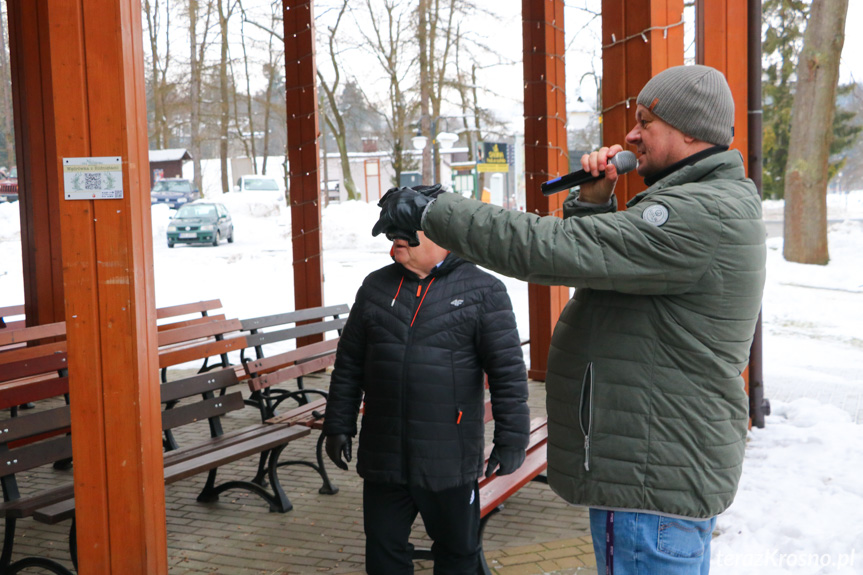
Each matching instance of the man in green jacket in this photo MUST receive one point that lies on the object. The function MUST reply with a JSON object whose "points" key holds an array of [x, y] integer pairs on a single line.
{"points": [[646, 404]]}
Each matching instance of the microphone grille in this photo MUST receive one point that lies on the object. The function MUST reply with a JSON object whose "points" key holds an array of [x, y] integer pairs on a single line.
{"points": [[625, 161]]}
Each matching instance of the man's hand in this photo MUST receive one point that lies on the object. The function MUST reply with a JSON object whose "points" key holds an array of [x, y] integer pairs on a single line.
{"points": [[599, 191], [337, 446], [508, 458], [401, 213]]}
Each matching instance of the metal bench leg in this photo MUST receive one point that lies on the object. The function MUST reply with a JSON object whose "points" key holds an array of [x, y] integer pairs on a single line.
{"points": [[277, 499], [327, 488], [263, 466], [73, 543], [8, 543], [208, 494]]}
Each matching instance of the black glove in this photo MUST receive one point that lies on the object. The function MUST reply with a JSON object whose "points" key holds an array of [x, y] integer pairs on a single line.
{"points": [[337, 446], [430, 191], [508, 458], [401, 214]]}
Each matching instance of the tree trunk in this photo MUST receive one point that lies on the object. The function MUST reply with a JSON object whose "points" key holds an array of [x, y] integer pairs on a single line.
{"points": [[812, 133], [224, 104], [334, 119], [425, 80], [195, 95], [6, 96]]}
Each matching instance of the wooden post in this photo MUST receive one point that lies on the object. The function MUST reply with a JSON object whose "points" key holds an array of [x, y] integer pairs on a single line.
{"points": [[546, 155], [40, 209], [302, 107], [723, 45], [93, 104], [640, 38]]}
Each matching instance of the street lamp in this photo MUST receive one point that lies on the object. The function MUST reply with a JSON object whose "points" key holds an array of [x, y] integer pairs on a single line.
{"points": [[445, 139]]}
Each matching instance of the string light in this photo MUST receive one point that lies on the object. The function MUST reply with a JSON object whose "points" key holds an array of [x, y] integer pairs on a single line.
{"points": [[642, 34]]}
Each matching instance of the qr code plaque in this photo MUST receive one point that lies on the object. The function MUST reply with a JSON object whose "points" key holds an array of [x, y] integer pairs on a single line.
{"points": [[92, 181], [93, 178]]}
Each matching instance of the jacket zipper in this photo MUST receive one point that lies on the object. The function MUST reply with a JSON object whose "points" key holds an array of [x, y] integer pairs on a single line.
{"points": [[404, 400], [586, 390]]}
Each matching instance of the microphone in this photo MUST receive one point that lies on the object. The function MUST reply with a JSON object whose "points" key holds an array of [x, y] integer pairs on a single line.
{"points": [[625, 161]]}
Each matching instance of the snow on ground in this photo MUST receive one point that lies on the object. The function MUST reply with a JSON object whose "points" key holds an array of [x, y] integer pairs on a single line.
{"points": [[800, 499]]}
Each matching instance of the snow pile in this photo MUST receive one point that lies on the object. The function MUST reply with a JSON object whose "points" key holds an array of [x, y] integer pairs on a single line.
{"points": [[798, 504], [10, 221], [839, 205], [348, 225]]}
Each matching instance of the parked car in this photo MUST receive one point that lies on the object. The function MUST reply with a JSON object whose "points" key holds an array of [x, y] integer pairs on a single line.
{"points": [[257, 183], [174, 191], [9, 185], [200, 222]]}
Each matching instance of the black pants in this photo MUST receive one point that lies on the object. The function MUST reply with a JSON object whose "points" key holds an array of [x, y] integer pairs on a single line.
{"points": [[451, 519]]}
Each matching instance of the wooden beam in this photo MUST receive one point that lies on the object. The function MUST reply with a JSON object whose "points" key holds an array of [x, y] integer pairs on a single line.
{"points": [[91, 65], [303, 154], [723, 45], [40, 211], [640, 38], [546, 153]]}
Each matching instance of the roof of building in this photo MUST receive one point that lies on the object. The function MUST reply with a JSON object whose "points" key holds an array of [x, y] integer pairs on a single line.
{"points": [[170, 155]]}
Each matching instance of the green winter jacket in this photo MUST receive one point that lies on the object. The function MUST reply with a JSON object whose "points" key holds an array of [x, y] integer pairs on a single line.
{"points": [[645, 398]]}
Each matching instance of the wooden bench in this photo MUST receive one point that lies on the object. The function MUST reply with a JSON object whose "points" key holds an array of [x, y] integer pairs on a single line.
{"points": [[267, 441], [280, 331], [292, 326], [18, 338], [266, 373], [24, 448], [200, 309]]}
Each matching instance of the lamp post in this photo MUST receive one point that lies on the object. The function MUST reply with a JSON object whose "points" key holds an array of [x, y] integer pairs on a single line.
{"points": [[445, 139]]}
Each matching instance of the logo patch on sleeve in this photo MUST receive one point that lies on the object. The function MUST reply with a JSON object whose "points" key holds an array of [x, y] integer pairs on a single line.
{"points": [[657, 214]]}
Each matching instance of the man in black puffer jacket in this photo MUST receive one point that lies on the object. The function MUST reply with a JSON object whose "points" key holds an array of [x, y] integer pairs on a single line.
{"points": [[419, 338]]}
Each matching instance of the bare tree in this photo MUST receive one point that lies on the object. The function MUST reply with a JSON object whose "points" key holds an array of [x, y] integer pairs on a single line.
{"points": [[158, 35], [425, 87], [812, 134], [6, 94], [332, 115], [246, 133], [226, 9], [271, 72], [197, 49], [386, 42]]}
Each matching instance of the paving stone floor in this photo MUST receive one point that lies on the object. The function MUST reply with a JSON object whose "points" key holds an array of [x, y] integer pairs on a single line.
{"points": [[535, 533]]}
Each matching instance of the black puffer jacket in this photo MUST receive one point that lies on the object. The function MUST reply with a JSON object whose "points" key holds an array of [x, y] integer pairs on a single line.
{"points": [[423, 383]]}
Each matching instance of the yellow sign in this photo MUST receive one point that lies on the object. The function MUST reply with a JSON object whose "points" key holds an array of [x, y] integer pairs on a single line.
{"points": [[492, 157], [492, 168]]}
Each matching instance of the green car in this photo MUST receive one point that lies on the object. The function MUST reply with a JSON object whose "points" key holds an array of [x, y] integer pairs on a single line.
{"points": [[200, 223]]}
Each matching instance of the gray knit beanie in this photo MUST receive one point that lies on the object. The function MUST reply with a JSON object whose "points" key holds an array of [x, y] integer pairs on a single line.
{"points": [[694, 99]]}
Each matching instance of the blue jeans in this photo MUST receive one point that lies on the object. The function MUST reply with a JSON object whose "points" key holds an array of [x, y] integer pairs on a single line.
{"points": [[647, 544]]}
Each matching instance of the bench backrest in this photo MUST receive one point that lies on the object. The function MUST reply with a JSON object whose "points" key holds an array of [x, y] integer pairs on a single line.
{"points": [[293, 325], [29, 342], [200, 341], [23, 445], [33, 379], [211, 405], [198, 307]]}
